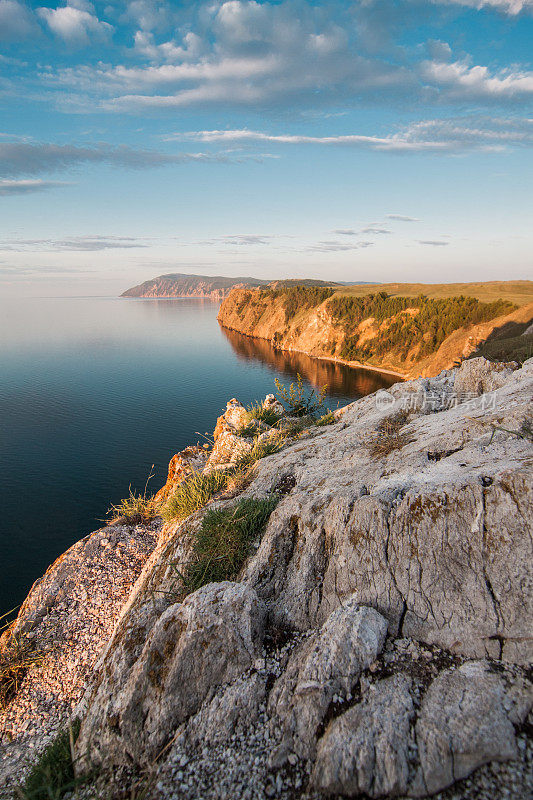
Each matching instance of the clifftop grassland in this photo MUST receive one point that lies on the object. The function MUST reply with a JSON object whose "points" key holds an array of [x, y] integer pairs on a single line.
{"points": [[409, 329]]}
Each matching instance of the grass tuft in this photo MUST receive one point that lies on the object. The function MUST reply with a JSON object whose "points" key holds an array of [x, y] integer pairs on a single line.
{"points": [[53, 774], [136, 509], [262, 448], [193, 493], [17, 656], [225, 540], [389, 436], [266, 415]]}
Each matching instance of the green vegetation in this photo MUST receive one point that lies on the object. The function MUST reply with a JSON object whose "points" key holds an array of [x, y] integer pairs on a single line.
{"points": [[53, 774], [415, 322], [261, 449], [18, 654], [326, 419], [224, 541], [297, 298], [266, 415], [525, 431], [512, 348], [137, 509], [297, 401], [198, 489], [193, 493]]}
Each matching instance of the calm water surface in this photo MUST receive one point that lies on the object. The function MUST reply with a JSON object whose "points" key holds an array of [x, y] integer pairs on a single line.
{"points": [[93, 391]]}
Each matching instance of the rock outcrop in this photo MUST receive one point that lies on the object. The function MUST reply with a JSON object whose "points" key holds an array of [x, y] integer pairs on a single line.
{"points": [[377, 641]]}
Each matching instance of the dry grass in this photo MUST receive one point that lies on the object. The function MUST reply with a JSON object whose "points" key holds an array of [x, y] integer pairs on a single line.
{"points": [[518, 292], [18, 654], [136, 509], [194, 493], [389, 436]]}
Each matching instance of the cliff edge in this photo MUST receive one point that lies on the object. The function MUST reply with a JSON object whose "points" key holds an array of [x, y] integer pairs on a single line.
{"points": [[388, 328], [375, 637]]}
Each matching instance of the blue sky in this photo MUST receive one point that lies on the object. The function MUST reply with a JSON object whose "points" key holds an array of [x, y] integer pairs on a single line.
{"points": [[373, 140]]}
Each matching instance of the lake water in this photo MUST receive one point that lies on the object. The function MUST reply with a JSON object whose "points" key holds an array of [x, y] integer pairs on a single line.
{"points": [[93, 391]]}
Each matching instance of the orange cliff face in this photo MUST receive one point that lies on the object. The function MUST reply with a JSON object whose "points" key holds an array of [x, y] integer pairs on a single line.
{"points": [[316, 332]]}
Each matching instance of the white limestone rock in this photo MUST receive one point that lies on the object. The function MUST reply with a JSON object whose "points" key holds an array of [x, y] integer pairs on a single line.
{"points": [[210, 639], [328, 664], [366, 749], [463, 723]]}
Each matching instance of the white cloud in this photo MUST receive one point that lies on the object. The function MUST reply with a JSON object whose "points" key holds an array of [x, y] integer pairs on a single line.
{"points": [[402, 218], [242, 52], [434, 243], [149, 15], [437, 135], [16, 21], [29, 159], [372, 229], [512, 7], [460, 81], [331, 246], [191, 48], [245, 53], [28, 186], [75, 23], [74, 243]]}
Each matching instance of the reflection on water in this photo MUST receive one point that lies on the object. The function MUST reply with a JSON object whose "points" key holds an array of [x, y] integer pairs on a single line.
{"points": [[94, 391], [342, 381]]}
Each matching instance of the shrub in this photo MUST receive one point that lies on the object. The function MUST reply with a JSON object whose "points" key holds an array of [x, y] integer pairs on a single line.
{"points": [[193, 493], [326, 419], [297, 401], [53, 774], [224, 541], [17, 655]]}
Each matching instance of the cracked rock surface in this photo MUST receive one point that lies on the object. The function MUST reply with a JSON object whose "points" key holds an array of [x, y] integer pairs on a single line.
{"points": [[378, 642]]}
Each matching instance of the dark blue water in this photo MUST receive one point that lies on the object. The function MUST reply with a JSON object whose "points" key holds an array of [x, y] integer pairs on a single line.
{"points": [[93, 391]]}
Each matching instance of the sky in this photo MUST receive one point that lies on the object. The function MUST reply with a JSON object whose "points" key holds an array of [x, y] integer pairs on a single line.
{"points": [[374, 140]]}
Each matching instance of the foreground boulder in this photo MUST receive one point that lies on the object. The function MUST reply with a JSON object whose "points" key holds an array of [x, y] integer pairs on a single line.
{"points": [[326, 665], [209, 639]]}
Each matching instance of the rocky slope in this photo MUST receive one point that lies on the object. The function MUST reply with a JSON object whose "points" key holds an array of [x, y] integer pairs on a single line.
{"points": [[314, 329], [378, 640]]}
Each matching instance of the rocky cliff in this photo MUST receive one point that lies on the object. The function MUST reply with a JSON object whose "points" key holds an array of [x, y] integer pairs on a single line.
{"points": [[376, 640], [211, 287], [407, 335], [182, 285]]}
